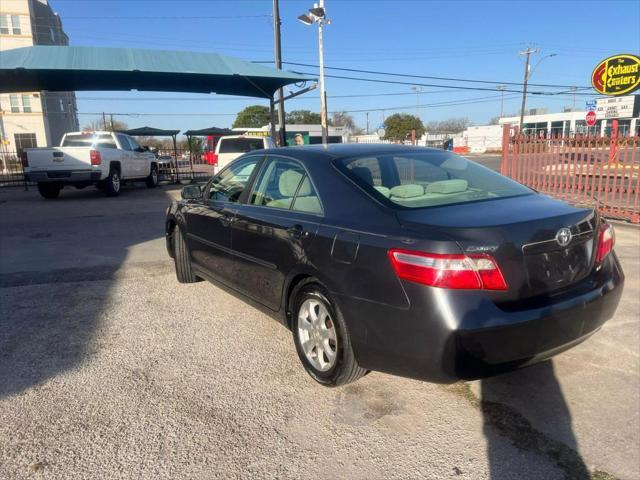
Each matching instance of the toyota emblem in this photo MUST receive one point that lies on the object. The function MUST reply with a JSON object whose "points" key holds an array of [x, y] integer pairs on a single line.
{"points": [[563, 237]]}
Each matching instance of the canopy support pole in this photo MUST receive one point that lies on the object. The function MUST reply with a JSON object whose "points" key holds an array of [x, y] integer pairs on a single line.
{"points": [[193, 177], [272, 121], [175, 160]]}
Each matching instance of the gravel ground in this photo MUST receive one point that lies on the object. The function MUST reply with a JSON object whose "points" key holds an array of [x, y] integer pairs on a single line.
{"points": [[111, 369]]}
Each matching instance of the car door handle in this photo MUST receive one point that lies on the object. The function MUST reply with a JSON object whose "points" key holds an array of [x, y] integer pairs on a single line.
{"points": [[297, 232]]}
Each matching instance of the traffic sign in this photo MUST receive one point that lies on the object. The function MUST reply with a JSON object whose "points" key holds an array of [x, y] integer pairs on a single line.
{"points": [[591, 118]]}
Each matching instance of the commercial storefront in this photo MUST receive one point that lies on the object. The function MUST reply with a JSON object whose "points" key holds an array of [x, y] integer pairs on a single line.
{"points": [[626, 110]]}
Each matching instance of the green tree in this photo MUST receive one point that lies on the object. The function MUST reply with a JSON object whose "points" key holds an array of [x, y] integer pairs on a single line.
{"points": [[302, 117], [399, 125], [254, 116], [197, 144]]}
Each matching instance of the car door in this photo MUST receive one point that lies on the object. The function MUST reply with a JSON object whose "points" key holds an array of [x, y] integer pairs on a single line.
{"points": [[127, 164], [140, 158], [274, 228], [208, 219]]}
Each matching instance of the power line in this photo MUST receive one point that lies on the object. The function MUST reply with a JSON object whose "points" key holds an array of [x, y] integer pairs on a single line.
{"points": [[171, 17], [428, 77]]}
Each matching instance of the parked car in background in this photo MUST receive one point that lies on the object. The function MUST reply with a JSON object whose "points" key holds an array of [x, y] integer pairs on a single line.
{"points": [[231, 147], [103, 159], [165, 163], [406, 260]]}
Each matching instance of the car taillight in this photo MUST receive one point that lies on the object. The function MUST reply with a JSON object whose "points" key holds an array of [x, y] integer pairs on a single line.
{"points": [[96, 158], [454, 271], [606, 240], [214, 159], [24, 160]]}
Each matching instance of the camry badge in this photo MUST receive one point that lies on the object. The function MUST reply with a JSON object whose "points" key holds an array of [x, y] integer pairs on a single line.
{"points": [[563, 237]]}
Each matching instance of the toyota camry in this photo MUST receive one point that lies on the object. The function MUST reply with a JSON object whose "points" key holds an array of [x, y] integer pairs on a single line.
{"points": [[406, 260]]}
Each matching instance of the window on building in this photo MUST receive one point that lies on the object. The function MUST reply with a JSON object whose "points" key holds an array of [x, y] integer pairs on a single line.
{"points": [[26, 103], [61, 105], [52, 32], [4, 25], [15, 24], [15, 106], [624, 127], [25, 140]]}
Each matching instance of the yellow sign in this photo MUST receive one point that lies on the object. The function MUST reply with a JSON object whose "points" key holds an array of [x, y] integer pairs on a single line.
{"points": [[617, 75]]}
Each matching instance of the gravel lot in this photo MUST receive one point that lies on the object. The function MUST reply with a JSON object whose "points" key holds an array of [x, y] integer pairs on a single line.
{"points": [[111, 369]]}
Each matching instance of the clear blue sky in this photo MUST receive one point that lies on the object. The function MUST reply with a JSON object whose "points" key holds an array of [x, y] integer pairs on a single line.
{"points": [[465, 39]]}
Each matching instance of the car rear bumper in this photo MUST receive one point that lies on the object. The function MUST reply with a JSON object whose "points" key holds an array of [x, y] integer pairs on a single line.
{"points": [[64, 176], [446, 335]]}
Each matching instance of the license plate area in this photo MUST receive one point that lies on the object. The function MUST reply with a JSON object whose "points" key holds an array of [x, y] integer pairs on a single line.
{"points": [[554, 269]]}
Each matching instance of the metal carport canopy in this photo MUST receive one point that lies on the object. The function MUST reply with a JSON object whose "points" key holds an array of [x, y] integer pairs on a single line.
{"points": [[149, 132], [63, 68]]}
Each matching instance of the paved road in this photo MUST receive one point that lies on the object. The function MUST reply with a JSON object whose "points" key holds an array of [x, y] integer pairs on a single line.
{"points": [[110, 368]]}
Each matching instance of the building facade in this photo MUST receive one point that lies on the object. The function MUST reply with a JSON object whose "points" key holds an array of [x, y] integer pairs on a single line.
{"points": [[33, 119], [626, 110]]}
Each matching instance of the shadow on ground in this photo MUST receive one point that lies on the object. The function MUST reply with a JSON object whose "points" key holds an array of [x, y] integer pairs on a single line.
{"points": [[537, 393], [66, 253]]}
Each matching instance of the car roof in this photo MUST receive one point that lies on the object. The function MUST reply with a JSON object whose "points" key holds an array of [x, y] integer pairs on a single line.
{"points": [[344, 150], [225, 137]]}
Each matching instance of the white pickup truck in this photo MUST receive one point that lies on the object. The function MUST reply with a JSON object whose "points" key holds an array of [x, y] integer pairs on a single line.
{"points": [[103, 159]]}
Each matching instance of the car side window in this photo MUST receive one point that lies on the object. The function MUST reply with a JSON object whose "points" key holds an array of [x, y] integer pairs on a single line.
{"points": [[284, 183], [229, 184], [124, 142]]}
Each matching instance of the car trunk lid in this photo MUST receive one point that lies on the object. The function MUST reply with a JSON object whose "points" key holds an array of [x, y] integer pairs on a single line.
{"points": [[523, 235]]}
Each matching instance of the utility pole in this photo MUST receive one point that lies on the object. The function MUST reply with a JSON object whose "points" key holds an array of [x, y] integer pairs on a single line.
{"points": [[111, 115], [418, 91], [573, 89], [104, 121], [367, 123], [502, 89], [527, 53], [278, 62], [323, 96]]}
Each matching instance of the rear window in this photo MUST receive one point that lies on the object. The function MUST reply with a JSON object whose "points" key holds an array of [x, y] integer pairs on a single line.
{"points": [[240, 145], [432, 178], [89, 140]]}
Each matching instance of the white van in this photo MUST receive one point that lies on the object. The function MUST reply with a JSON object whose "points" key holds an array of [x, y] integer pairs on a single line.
{"points": [[231, 147]]}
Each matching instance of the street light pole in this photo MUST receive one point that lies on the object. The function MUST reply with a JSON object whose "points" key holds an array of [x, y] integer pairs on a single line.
{"points": [[323, 97], [318, 15]]}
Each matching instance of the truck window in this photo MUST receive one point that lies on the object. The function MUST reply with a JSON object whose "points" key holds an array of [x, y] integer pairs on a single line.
{"points": [[124, 142], [240, 145], [134, 145], [88, 140]]}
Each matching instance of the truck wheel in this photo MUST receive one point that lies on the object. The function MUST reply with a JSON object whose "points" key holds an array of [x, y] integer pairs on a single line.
{"points": [[49, 190], [322, 339], [152, 179], [112, 183], [184, 273]]}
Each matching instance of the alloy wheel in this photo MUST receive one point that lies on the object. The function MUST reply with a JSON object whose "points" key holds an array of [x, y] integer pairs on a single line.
{"points": [[317, 335]]}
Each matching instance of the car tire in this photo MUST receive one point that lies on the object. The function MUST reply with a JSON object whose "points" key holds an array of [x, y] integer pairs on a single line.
{"points": [[324, 344], [184, 272], [49, 190], [152, 179], [113, 183]]}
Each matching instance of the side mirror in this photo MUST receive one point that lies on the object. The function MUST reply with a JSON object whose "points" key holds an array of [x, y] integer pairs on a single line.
{"points": [[191, 192]]}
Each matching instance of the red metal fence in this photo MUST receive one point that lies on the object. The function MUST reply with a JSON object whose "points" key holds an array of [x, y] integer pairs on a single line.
{"points": [[590, 170]]}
